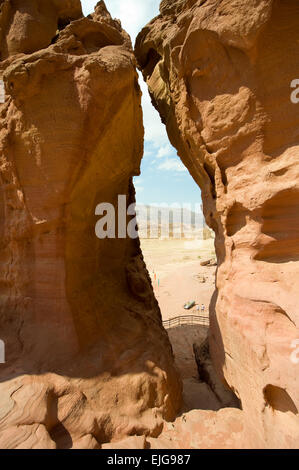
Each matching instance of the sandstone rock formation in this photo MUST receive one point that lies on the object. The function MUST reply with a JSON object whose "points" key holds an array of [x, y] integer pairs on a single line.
{"points": [[87, 358], [219, 72]]}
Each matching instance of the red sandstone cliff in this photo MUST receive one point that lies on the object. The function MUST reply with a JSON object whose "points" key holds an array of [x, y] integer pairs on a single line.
{"points": [[87, 359], [219, 72]]}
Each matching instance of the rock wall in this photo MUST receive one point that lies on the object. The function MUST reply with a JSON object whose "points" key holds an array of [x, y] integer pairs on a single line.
{"points": [[219, 73], [77, 314]]}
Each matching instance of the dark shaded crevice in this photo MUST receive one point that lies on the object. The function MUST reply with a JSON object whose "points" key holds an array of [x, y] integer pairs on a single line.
{"points": [[224, 179], [211, 174], [62, 438], [152, 59], [224, 394], [55, 39], [63, 23], [236, 219]]}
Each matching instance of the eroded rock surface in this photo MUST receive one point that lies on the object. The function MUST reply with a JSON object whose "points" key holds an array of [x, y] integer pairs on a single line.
{"points": [[87, 359], [219, 72]]}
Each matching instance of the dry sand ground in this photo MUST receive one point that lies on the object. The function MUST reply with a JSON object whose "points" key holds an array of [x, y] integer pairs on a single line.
{"points": [[176, 265]]}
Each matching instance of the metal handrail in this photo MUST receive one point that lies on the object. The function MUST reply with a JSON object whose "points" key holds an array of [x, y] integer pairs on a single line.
{"points": [[186, 320]]}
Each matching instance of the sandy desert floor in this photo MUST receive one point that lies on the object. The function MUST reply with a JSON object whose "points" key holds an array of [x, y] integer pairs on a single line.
{"points": [[174, 266]]}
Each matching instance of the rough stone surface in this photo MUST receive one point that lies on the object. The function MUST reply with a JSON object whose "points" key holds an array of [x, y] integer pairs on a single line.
{"points": [[219, 72], [87, 359], [207, 375], [200, 429]]}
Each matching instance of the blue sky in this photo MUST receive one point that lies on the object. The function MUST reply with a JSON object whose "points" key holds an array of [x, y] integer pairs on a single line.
{"points": [[164, 179]]}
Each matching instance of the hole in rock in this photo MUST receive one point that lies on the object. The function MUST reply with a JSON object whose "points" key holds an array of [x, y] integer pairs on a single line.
{"points": [[279, 399], [236, 219]]}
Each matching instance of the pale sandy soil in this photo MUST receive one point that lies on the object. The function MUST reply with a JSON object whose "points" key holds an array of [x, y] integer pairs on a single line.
{"points": [[174, 266]]}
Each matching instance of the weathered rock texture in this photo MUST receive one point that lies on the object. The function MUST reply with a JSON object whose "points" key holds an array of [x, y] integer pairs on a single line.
{"points": [[87, 359], [219, 72]]}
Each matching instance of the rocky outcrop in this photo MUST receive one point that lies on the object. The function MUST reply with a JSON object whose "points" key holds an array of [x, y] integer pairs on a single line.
{"points": [[27, 26], [219, 72], [77, 314]]}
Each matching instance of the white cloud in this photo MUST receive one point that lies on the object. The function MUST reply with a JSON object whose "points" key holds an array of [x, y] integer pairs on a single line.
{"points": [[172, 164], [165, 151]]}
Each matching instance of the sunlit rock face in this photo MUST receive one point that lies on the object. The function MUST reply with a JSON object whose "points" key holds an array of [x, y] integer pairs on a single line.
{"points": [[87, 358], [219, 72]]}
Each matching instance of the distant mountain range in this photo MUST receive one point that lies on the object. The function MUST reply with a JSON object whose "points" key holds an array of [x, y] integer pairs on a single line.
{"points": [[168, 214], [164, 221]]}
